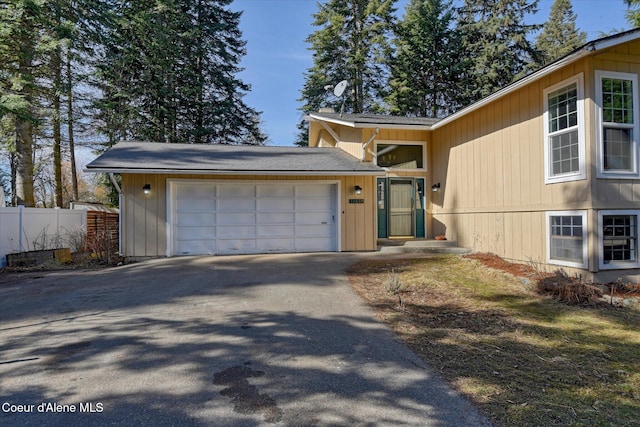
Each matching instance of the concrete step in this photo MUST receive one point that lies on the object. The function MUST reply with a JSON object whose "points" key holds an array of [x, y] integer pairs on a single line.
{"points": [[421, 246]]}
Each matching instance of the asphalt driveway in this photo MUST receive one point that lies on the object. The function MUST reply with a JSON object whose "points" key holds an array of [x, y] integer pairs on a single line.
{"points": [[225, 341]]}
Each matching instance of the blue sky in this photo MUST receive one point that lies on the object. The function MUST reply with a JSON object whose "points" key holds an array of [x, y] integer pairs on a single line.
{"points": [[277, 55]]}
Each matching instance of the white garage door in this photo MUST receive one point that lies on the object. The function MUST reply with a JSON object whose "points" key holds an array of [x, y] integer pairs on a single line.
{"points": [[245, 218]]}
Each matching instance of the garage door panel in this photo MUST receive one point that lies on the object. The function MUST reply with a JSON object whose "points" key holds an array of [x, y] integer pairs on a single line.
{"points": [[196, 219], [196, 233], [195, 247], [236, 205], [313, 245], [236, 246], [313, 205], [314, 191], [315, 218], [237, 218], [276, 218], [321, 230], [236, 191], [276, 245], [234, 231], [266, 205], [273, 231], [275, 191]]}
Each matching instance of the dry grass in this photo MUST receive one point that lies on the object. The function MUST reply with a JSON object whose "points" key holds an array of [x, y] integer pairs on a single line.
{"points": [[524, 359]]}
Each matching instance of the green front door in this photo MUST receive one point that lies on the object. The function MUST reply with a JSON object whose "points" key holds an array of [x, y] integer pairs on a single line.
{"points": [[401, 207]]}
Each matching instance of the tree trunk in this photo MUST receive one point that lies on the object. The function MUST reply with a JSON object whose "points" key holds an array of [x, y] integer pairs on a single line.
{"points": [[24, 162], [56, 65], [70, 121]]}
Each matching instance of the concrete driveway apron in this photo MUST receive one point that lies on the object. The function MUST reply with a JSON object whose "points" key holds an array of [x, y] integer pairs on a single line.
{"points": [[225, 341]]}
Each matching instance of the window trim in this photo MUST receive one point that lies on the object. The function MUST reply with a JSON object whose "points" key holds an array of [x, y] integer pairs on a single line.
{"points": [[614, 265], [549, 178], [583, 214], [422, 144], [601, 172]]}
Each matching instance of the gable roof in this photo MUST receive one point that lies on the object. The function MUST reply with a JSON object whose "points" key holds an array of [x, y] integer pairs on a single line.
{"points": [[423, 123], [157, 157]]}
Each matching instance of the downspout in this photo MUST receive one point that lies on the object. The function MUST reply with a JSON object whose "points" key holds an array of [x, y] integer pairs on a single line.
{"points": [[369, 141], [120, 198]]}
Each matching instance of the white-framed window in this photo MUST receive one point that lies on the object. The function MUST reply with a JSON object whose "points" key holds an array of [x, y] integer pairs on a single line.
{"points": [[618, 239], [564, 130], [617, 124], [401, 155], [567, 238]]}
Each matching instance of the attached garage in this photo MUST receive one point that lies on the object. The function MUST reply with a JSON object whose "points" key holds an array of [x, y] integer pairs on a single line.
{"points": [[224, 218], [180, 199]]}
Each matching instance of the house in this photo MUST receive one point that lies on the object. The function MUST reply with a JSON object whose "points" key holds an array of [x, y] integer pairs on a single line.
{"points": [[543, 171]]}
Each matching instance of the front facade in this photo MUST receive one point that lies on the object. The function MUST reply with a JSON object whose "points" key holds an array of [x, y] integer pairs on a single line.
{"points": [[544, 171]]}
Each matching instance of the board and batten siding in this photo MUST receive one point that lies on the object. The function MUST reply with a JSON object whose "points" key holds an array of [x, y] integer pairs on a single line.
{"points": [[144, 227], [490, 164]]}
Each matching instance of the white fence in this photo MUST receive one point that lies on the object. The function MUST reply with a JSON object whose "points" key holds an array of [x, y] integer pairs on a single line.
{"points": [[26, 229]]}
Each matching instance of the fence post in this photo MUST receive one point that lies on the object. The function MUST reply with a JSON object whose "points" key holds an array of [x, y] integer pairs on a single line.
{"points": [[20, 230]]}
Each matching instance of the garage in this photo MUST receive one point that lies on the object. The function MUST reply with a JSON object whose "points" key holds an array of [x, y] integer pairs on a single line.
{"points": [[222, 218]]}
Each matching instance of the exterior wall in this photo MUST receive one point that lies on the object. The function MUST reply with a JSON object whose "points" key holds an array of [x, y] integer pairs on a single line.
{"points": [[490, 164], [144, 228]]}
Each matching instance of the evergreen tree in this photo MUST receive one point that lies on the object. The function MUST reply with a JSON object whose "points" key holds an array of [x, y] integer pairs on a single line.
{"points": [[495, 39], [351, 44], [23, 40], [427, 68], [168, 74], [633, 12], [559, 34]]}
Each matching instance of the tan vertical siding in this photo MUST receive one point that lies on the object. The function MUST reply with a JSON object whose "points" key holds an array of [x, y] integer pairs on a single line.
{"points": [[144, 217]]}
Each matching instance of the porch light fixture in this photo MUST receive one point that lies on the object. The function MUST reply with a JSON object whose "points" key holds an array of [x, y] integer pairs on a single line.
{"points": [[358, 190], [435, 187], [146, 189]]}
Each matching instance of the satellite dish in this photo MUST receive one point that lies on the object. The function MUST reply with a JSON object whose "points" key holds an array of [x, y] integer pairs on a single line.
{"points": [[339, 89]]}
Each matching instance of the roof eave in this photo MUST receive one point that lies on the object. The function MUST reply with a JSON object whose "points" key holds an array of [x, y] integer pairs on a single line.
{"points": [[584, 51], [357, 125], [234, 172]]}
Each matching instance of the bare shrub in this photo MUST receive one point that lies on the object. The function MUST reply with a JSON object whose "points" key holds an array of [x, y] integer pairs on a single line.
{"points": [[103, 247], [563, 288], [76, 239], [394, 283]]}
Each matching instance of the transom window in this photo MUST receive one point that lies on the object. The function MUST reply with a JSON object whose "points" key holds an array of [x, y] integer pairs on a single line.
{"points": [[566, 238], [618, 128], [400, 156], [564, 146], [618, 239]]}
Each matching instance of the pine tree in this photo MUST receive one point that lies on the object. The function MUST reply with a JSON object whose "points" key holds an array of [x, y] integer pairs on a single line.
{"points": [[633, 12], [168, 74], [22, 38], [427, 67], [559, 34], [495, 39], [351, 44]]}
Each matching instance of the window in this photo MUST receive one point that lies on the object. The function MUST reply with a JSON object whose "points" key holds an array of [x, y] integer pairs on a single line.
{"points": [[618, 239], [564, 132], [617, 95], [567, 238], [398, 155]]}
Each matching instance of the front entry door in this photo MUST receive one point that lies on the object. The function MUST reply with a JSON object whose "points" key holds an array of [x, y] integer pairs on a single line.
{"points": [[401, 207]]}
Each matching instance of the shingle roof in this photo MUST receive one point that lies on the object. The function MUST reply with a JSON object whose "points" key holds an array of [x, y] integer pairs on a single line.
{"points": [[376, 120], [152, 157]]}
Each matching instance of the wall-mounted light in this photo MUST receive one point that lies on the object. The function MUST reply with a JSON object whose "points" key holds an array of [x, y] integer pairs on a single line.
{"points": [[146, 189], [358, 190], [435, 187]]}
